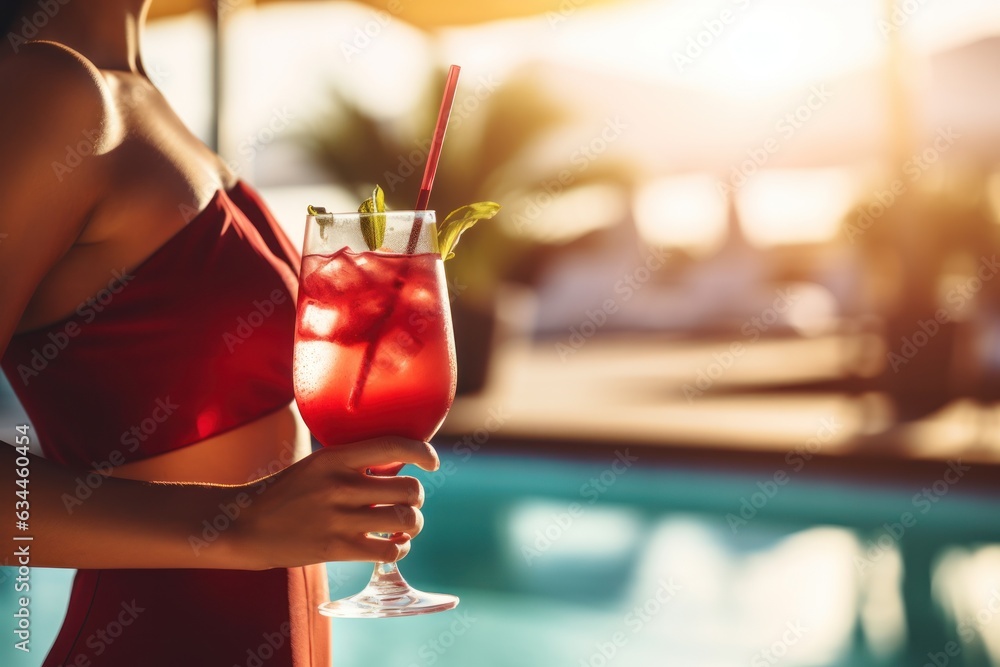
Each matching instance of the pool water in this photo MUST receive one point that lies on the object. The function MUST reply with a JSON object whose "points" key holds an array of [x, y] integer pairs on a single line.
{"points": [[613, 561]]}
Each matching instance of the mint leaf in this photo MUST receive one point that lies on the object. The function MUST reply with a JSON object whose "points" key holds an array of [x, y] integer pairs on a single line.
{"points": [[373, 226], [461, 219]]}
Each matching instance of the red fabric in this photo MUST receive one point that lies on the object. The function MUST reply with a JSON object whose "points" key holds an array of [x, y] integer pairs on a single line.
{"points": [[193, 342], [211, 618], [174, 356]]}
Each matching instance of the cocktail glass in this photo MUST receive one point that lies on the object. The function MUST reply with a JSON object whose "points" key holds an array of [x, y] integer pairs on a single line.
{"points": [[374, 356]]}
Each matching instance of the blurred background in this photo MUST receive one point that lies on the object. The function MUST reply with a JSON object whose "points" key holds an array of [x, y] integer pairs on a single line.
{"points": [[729, 356]]}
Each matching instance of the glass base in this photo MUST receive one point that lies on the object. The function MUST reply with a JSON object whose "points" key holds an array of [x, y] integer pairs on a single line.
{"points": [[388, 595]]}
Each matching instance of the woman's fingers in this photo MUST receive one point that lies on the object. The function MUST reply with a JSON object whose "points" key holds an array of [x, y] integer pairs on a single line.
{"points": [[325, 506], [385, 550], [387, 519], [366, 491], [369, 548], [386, 451], [396, 519]]}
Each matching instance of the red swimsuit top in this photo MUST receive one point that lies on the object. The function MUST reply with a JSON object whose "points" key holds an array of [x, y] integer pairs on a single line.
{"points": [[194, 341]]}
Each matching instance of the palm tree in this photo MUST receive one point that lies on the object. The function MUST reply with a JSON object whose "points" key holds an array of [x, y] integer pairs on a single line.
{"points": [[489, 132]]}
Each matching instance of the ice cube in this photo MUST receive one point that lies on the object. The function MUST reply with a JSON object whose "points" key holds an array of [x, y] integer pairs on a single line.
{"points": [[371, 303], [330, 279], [317, 322], [396, 349], [423, 301], [380, 271], [361, 316]]}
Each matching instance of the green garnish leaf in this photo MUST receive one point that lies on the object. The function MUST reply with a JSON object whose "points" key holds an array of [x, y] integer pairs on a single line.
{"points": [[461, 219], [318, 210], [373, 226]]}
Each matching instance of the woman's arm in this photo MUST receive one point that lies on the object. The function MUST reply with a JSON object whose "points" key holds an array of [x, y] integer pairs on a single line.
{"points": [[319, 509], [53, 105], [122, 523]]}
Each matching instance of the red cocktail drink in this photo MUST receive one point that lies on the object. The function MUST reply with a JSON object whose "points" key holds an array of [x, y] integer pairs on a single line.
{"points": [[374, 356], [374, 353]]}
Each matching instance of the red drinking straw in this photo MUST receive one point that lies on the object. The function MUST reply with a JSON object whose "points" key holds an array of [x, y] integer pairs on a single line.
{"points": [[425, 194], [434, 156]]}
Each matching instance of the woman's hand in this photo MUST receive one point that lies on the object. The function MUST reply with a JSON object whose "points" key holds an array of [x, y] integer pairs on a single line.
{"points": [[321, 508]]}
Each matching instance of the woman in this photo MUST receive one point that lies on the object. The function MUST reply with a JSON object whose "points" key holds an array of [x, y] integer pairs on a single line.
{"points": [[124, 330]]}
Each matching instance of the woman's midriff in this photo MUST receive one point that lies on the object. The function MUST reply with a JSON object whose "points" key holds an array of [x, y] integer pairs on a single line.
{"points": [[246, 453], [215, 617]]}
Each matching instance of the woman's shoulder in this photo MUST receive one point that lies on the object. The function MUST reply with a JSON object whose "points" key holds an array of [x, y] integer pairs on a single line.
{"points": [[47, 82], [52, 63]]}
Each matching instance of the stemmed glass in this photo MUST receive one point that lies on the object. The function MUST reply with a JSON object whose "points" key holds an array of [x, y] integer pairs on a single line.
{"points": [[374, 356]]}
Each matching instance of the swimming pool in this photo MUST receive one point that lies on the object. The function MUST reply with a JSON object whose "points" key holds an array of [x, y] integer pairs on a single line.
{"points": [[619, 559]]}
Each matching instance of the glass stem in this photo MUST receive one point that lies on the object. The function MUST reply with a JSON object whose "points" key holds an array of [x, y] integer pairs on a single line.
{"points": [[387, 580]]}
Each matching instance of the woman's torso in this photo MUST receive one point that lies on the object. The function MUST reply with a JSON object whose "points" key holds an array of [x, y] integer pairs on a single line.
{"points": [[144, 191], [146, 184]]}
